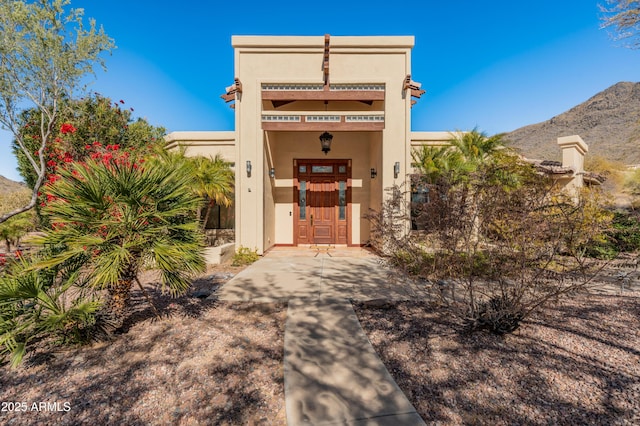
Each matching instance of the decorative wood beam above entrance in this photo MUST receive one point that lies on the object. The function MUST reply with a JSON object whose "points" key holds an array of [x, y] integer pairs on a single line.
{"points": [[317, 92]]}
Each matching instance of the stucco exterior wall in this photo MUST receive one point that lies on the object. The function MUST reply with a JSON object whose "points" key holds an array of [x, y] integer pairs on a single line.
{"points": [[269, 236], [207, 144], [265, 205], [430, 138], [376, 188], [258, 60]]}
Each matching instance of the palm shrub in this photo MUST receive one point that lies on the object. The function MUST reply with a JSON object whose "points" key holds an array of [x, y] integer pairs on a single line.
{"points": [[55, 304], [212, 178], [475, 146], [437, 162], [122, 218], [453, 163], [214, 182]]}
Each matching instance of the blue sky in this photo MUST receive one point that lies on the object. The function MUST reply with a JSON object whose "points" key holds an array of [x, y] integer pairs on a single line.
{"points": [[497, 65]]}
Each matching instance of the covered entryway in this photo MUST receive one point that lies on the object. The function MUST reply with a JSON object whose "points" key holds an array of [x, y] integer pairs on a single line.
{"points": [[322, 194]]}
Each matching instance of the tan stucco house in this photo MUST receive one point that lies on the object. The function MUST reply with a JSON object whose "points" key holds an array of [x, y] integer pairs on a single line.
{"points": [[292, 97]]}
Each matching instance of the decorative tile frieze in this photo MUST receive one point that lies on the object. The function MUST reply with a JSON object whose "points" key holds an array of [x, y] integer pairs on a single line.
{"points": [[290, 86], [357, 87], [281, 118], [364, 118], [320, 87], [322, 118]]}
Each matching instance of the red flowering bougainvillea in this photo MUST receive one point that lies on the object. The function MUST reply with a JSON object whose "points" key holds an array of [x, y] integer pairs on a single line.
{"points": [[63, 155], [67, 128], [81, 123]]}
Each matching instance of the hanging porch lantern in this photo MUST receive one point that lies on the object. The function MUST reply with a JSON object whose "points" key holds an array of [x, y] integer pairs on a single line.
{"points": [[325, 142]]}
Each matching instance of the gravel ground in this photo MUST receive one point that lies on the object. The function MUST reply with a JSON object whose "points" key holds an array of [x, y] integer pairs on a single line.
{"points": [[202, 362], [207, 362], [575, 364]]}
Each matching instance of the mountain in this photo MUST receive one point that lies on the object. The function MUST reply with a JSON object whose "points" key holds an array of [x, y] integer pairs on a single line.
{"points": [[8, 185], [609, 123]]}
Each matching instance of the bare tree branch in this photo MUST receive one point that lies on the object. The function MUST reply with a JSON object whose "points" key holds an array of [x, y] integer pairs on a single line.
{"points": [[45, 51], [623, 16]]}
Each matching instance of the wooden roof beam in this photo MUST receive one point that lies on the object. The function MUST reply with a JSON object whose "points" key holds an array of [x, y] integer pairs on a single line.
{"points": [[228, 97], [231, 91], [417, 93], [414, 88]]}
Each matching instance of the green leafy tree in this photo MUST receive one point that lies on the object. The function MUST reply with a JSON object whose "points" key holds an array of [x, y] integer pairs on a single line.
{"points": [[93, 121], [624, 17], [45, 52], [120, 217], [17, 226]]}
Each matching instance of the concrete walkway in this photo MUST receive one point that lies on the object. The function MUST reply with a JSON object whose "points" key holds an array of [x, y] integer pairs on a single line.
{"points": [[282, 278], [332, 374]]}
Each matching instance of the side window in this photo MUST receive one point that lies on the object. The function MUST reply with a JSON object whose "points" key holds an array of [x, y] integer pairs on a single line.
{"points": [[342, 200], [303, 200]]}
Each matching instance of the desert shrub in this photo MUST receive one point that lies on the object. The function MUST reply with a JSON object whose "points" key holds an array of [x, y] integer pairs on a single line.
{"points": [[500, 315], [626, 231], [244, 256], [612, 170], [411, 261], [606, 250], [622, 237], [503, 243], [632, 182]]}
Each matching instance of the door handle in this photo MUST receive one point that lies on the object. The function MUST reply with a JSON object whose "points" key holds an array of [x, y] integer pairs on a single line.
{"points": [[311, 220]]}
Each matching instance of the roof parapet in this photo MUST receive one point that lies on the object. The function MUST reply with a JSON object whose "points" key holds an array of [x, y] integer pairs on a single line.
{"points": [[573, 141]]}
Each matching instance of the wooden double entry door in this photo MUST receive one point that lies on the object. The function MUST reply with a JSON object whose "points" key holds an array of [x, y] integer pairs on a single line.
{"points": [[322, 199]]}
